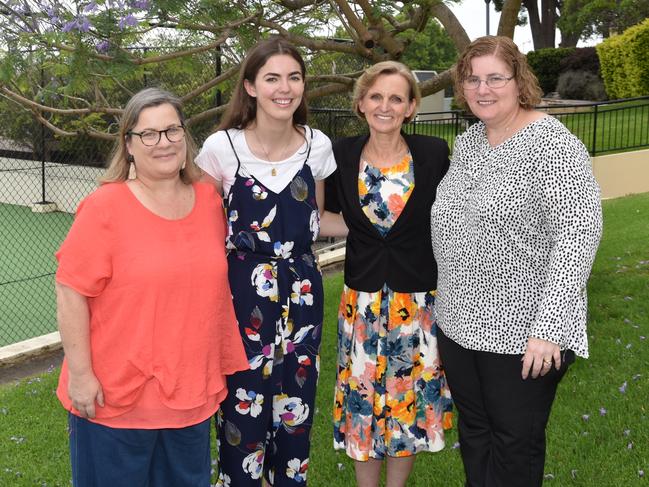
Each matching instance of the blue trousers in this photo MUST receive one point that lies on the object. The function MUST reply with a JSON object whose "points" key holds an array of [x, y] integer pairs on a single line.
{"points": [[113, 457]]}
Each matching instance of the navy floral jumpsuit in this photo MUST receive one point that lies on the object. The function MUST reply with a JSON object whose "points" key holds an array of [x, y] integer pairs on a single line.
{"points": [[264, 424]]}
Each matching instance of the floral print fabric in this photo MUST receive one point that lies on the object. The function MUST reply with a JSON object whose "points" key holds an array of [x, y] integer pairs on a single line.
{"points": [[384, 191], [264, 423], [391, 395]]}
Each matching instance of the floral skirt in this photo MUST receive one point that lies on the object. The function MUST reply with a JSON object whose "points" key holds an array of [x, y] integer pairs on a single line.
{"points": [[391, 394]]}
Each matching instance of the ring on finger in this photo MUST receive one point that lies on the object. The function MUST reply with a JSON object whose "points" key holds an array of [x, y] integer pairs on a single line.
{"points": [[547, 363]]}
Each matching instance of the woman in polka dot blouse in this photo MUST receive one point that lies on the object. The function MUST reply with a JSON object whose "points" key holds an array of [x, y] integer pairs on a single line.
{"points": [[515, 227]]}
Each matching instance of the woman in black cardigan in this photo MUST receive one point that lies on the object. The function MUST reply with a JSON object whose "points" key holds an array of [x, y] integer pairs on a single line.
{"points": [[391, 399]]}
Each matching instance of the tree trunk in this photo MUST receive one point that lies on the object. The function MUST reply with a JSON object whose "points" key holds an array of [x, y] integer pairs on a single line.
{"points": [[509, 18], [549, 22], [569, 40], [542, 33]]}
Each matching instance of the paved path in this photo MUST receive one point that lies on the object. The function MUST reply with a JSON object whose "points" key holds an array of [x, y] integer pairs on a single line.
{"points": [[37, 365]]}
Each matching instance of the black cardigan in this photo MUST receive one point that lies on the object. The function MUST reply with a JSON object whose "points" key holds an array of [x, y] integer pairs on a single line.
{"points": [[403, 259]]}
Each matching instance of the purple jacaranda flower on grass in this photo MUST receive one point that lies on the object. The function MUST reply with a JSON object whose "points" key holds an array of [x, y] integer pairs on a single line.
{"points": [[128, 21], [602, 411], [573, 473], [91, 7], [456, 445], [640, 473], [622, 388], [627, 432], [548, 476], [102, 46], [636, 376], [642, 337], [585, 417], [629, 445]]}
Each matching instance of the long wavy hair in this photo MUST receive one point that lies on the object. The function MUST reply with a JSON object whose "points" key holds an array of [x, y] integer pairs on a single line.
{"points": [[119, 164], [242, 109], [505, 49]]}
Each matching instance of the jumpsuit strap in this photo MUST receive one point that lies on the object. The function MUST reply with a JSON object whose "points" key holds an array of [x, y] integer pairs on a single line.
{"points": [[310, 144], [234, 150]]}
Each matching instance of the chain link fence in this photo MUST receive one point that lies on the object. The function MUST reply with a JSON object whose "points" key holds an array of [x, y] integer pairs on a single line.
{"points": [[38, 198]]}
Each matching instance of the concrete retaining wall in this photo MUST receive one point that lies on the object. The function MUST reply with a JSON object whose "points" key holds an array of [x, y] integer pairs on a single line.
{"points": [[622, 174]]}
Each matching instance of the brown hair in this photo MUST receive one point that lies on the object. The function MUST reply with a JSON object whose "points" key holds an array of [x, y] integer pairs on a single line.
{"points": [[242, 109], [150, 97], [505, 49], [371, 74]]}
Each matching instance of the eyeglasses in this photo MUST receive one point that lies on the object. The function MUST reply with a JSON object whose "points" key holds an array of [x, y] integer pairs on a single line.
{"points": [[152, 137], [495, 81]]}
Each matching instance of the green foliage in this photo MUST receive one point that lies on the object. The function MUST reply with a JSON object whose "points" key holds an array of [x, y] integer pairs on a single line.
{"points": [[601, 17], [625, 62], [581, 59], [579, 77], [581, 85], [431, 49], [546, 64]]}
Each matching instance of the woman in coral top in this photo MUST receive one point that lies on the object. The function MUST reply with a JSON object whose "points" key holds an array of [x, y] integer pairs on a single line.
{"points": [[144, 310]]}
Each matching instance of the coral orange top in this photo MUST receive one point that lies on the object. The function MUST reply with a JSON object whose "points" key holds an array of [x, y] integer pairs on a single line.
{"points": [[163, 333]]}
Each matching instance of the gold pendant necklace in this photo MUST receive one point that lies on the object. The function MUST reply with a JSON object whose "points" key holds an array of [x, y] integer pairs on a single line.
{"points": [[273, 171]]}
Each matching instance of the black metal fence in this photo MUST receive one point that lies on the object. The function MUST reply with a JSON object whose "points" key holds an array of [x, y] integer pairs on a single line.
{"points": [[603, 127], [40, 191]]}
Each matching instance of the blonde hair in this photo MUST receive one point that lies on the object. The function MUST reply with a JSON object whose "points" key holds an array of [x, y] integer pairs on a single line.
{"points": [[505, 49], [119, 164], [371, 74]]}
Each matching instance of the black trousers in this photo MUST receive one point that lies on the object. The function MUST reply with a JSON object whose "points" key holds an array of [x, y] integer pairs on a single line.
{"points": [[502, 418]]}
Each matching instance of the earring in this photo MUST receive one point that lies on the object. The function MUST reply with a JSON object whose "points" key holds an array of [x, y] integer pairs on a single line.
{"points": [[131, 167]]}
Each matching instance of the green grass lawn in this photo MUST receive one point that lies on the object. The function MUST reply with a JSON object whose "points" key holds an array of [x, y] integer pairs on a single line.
{"points": [[27, 265], [599, 429], [620, 125]]}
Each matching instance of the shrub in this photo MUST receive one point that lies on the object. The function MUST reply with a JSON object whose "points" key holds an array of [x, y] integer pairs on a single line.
{"points": [[581, 85], [546, 64], [625, 62], [581, 59]]}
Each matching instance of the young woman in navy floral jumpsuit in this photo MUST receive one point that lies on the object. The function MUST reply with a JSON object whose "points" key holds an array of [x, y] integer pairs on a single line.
{"points": [[270, 166]]}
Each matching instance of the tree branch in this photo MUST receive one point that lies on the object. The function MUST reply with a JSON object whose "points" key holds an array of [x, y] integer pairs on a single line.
{"points": [[210, 84], [358, 26], [452, 26], [438, 83], [325, 90], [34, 106]]}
